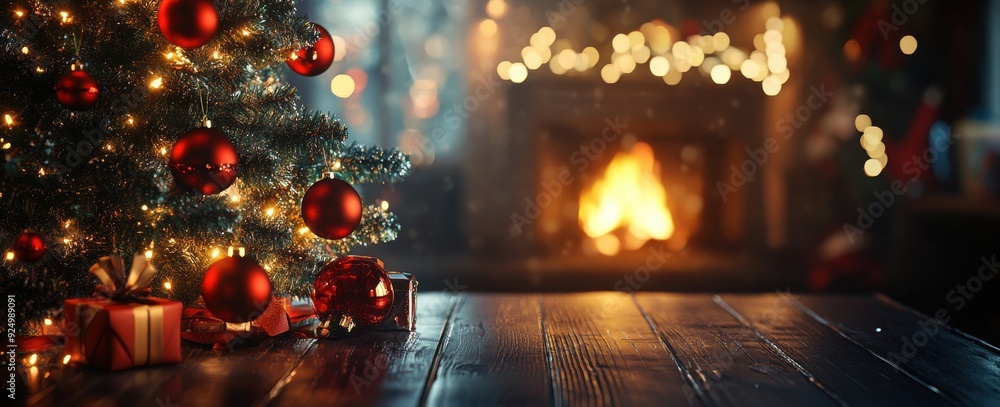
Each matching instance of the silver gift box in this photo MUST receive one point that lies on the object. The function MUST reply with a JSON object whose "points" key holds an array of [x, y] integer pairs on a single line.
{"points": [[403, 316]]}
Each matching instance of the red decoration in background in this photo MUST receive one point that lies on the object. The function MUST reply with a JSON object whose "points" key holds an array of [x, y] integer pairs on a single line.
{"points": [[315, 59], [204, 160], [236, 289], [77, 90], [29, 247], [352, 295], [331, 208], [188, 23]]}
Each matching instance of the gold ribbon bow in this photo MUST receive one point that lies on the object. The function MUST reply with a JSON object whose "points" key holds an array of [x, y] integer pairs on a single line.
{"points": [[115, 285]]}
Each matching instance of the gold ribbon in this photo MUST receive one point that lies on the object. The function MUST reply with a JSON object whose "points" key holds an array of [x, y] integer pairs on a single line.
{"points": [[148, 335], [115, 284]]}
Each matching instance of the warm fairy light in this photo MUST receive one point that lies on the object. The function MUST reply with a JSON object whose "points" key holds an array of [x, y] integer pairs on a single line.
{"points": [[488, 27], [245, 32], [39, 69], [18, 13], [610, 73], [109, 147], [852, 50], [496, 8], [41, 171], [169, 55], [234, 198], [47, 321], [32, 359], [65, 17], [145, 207], [156, 83], [721, 74], [267, 267], [163, 151], [269, 212], [518, 72], [167, 285], [908, 44], [303, 230], [10, 255], [66, 359], [342, 86], [7, 118], [6, 145], [24, 50], [873, 167], [750, 69], [215, 252], [67, 240], [862, 121], [385, 205], [216, 55], [337, 165], [503, 70], [620, 43], [149, 254], [771, 85]]}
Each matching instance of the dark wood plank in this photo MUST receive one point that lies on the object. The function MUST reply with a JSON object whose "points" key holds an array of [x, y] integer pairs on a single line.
{"points": [[376, 369], [965, 369], [495, 354], [847, 372], [725, 362], [240, 376], [601, 351]]}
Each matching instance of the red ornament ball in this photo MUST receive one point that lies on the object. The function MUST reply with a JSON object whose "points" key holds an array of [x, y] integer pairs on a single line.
{"points": [[236, 289], [204, 160], [314, 60], [188, 23], [29, 247], [77, 90], [352, 294], [331, 208]]}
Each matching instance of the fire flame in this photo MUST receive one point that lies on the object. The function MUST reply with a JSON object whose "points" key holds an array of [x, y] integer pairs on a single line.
{"points": [[630, 196]]}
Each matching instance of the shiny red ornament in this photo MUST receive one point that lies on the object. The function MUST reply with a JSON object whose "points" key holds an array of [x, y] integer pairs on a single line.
{"points": [[331, 208], [77, 90], [204, 160], [29, 247], [236, 289], [188, 23], [352, 295], [314, 60]]}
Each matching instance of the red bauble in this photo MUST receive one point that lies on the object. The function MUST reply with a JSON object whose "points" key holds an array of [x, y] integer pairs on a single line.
{"points": [[204, 160], [29, 247], [188, 23], [312, 61], [236, 289], [77, 90], [352, 294], [331, 208]]}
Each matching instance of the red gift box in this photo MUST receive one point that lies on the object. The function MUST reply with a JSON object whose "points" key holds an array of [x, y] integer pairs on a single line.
{"points": [[118, 335]]}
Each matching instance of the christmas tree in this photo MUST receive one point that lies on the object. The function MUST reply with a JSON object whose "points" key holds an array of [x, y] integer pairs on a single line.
{"points": [[99, 102]]}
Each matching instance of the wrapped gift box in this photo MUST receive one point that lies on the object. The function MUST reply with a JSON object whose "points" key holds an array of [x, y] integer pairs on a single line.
{"points": [[404, 308], [118, 335]]}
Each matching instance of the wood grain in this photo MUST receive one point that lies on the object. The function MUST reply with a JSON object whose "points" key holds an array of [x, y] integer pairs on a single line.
{"points": [[601, 351], [376, 369], [847, 372], [963, 369], [725, 363], [494, 354]]}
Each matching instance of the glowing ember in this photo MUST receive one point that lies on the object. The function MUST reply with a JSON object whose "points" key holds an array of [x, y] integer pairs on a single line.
{"points": [[630, 197]]}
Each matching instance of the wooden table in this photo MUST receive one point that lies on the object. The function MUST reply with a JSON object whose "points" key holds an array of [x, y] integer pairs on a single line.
{"points": [[605, 348]]}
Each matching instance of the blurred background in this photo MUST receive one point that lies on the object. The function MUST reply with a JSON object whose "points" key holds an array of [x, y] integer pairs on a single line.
{"points": [[720, 145]]}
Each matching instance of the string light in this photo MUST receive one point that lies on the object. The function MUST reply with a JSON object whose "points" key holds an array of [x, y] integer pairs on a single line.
{"points": [[24, 50], [245, 32], [47, 322], [167, 285], [39, 69], [10, 255], [337, 165], [67, 240], [163, 151], [234, 198], [6, 145], [66, 359], [215, 252], [385, 205], [18, 13], [33, 359], [156, 83], [149, 254], [267, 267], [145, 207], [7, 118], [269, 212], [66, 18], [303, 230]]}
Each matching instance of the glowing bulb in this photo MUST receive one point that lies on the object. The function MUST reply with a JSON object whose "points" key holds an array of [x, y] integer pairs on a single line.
{"points": [[873, 167], [6, 146], [167, 285], [269, 212], [10, 255], [156, 83], [234, 198], [245, 32], [303, 230], [145, 208], [385, 205], [342, 86], [8, 119], [66, 240], [496, 8], [215, 252], [518, 72], [47, 322], [771, 86], [19, 13], [908, 45], [503, 69], [862, 121], [131, 121], [620, 43], [721, 74], [65, 17], [337, 165], [267, 267], [24, 50], [33, 359], [163, 151], [149, 254], [216, 55], [488, 27], [66, 359]]}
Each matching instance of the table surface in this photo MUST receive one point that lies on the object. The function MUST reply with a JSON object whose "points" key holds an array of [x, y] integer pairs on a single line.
{"points": [[581, 349]]}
